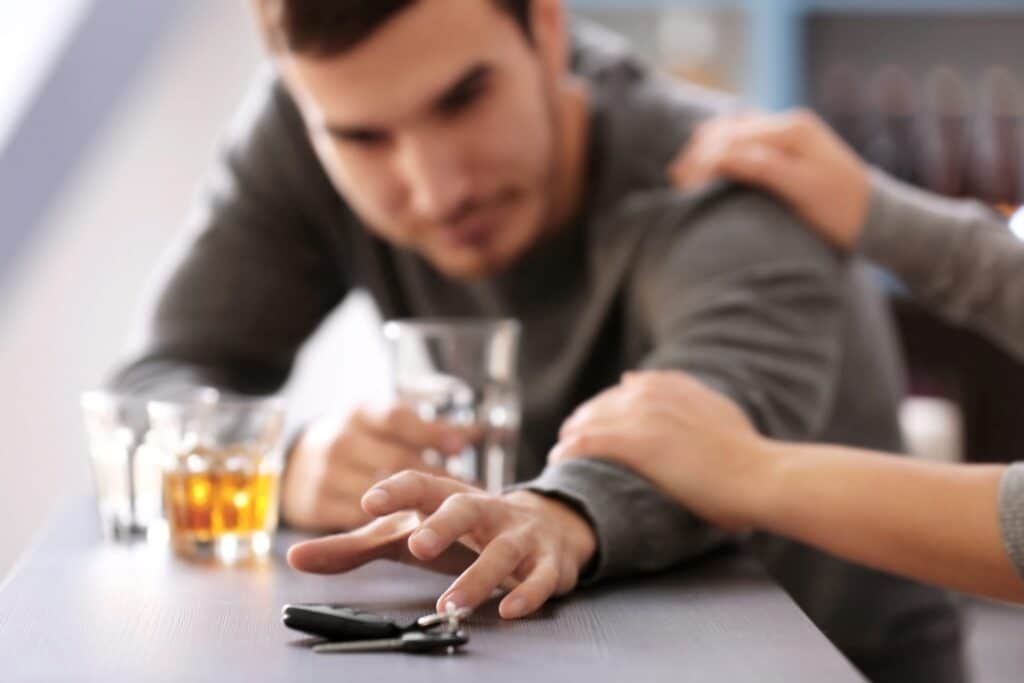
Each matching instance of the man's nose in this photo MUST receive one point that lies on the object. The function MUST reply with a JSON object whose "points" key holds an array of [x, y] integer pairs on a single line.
{"points": [[434, 173]]}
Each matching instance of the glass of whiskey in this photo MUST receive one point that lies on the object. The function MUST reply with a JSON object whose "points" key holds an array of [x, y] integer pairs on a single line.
{"points": [[222, 458]]}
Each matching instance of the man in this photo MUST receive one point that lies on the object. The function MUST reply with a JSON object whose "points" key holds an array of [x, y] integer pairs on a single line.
{"points": [[444, 155]]}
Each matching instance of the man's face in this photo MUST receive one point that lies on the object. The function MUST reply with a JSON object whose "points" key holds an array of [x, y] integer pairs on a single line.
{"points": [[439, 130]]}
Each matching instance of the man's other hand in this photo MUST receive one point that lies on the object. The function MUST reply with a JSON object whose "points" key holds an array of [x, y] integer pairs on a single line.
{"points": [[336, 461]]}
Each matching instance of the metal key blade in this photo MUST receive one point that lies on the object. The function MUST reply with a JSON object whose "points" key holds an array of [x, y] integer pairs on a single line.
{"points": [[412, 642], [382, 645]]}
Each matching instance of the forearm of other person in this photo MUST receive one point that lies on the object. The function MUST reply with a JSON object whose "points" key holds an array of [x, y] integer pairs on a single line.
{"points": [[956, 256], [932, 522]]}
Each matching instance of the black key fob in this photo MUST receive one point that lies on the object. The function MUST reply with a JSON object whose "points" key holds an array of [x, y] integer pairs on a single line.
{"points": [[340, 623]]}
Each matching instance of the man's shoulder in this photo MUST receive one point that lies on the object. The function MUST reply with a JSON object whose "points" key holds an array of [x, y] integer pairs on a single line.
{"points": [[723, 228], [268, 116], [642, 116], [266, 148]]}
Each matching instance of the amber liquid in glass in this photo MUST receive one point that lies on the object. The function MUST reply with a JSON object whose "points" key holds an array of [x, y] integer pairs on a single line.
{"points": [[228, 495]]}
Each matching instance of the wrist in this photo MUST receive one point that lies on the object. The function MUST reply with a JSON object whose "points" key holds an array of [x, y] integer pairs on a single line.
{"points": [[581, 541], [858, 202], [765, 495]]}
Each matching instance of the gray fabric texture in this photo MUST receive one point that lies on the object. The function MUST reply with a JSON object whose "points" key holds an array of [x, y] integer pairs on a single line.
{"points": [[725, 284], [958, 258], [1011, 514], [955, 256]]}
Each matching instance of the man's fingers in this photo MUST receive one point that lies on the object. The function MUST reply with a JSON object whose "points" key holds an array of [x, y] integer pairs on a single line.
{"points": [[595, 440], [411, 490], [334, 513], [400, 423], [383, 538], [533, 592], [787, 131], [459, 515], [722, 150], [767, 167], [606, 406], [497, 561]]}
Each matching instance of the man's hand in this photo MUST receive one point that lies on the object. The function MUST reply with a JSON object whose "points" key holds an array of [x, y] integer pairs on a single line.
{"points": [[337, 460], [692, 442], [523, 541], [793, 155]]}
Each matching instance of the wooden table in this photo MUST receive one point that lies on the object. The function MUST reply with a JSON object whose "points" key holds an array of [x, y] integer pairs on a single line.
{"points": [[78, 609]]}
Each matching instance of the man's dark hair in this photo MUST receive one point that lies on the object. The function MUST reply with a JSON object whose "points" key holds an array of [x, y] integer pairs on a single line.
{"points": [[324, 28]]}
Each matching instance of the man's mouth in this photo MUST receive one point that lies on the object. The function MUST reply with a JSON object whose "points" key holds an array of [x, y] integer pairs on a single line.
{"points": [[478, 227], [475, 232]]}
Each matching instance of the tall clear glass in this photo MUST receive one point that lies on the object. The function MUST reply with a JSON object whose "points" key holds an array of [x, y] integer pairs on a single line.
{"points": [[464, 372], [126, 468], [222, 459]]}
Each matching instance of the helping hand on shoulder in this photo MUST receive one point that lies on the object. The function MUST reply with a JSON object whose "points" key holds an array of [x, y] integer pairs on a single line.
{"points": [[793, 155]]}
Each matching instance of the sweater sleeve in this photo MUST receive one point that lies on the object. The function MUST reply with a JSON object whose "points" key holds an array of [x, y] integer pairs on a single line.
{"points": [[735, 291], [254, 274], [1011, 514], [955, 256]]}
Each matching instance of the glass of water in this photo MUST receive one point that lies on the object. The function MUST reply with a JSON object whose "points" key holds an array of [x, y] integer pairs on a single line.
{"points": [[463, 372], [125, 466]]}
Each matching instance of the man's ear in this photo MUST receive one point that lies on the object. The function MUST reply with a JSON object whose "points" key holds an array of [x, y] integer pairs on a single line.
{"points": [[549, 27]]}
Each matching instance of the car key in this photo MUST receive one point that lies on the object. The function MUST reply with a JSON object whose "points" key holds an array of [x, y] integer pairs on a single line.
{"points": [[337, 622], [340, 623], [413, 642]]}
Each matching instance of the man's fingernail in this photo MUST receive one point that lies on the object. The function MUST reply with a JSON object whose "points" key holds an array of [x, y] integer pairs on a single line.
{"points": [[427, 539], [515, 608], [377, 498], [454, 602]]}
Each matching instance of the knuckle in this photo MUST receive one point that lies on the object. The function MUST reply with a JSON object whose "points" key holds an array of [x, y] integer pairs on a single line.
{"points": [[321, 491], [509, 547], [582, 443], [549, 580], [802, 119], [567, 577], [408, 478], [462, 502], [407, 484], [355, 420], [392, 417], [637, 398], [648, 388], [337, 462]]}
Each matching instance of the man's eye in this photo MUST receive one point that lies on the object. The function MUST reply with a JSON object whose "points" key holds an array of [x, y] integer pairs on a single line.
{"points": [[463, 98], [361, 138], [367, 139]]}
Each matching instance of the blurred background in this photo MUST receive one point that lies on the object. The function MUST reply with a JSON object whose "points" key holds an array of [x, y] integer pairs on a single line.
{"points": [[111, 110]]}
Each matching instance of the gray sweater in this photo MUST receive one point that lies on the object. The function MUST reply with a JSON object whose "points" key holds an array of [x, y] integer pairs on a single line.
{"points": [[725, 284], [958, 258]]}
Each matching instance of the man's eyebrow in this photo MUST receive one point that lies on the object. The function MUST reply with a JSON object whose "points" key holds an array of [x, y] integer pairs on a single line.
{"points": [[465, 87], [450, 98]]}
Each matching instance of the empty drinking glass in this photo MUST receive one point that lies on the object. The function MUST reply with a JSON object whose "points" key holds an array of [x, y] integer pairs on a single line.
{"points": [[125, 467]]}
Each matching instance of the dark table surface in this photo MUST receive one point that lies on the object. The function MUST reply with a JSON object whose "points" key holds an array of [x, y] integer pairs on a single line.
{"points": [[78, 609]]}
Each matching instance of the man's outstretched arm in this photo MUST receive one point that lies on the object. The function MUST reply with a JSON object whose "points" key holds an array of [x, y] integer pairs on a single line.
{"points": [[732, 289]]}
